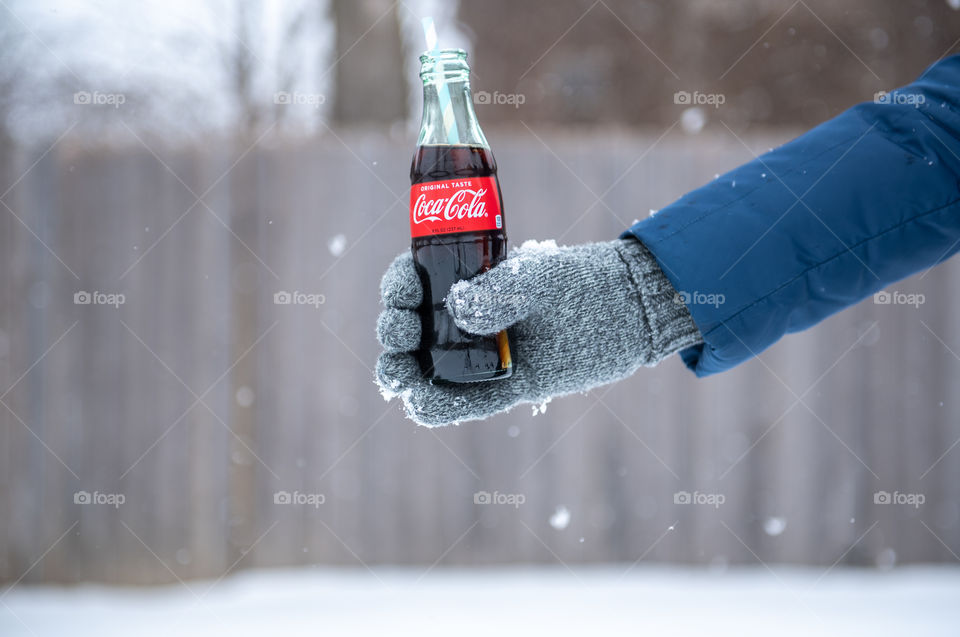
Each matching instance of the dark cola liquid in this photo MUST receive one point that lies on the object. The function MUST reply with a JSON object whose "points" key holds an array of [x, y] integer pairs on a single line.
{"points": [[446, 353]]}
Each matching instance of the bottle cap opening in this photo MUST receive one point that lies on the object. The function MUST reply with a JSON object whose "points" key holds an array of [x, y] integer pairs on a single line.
{"points": [[442, 54], [450, 63]]}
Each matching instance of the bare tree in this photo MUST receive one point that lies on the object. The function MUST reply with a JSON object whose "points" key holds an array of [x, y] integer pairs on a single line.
{"points": [[370, 86]]}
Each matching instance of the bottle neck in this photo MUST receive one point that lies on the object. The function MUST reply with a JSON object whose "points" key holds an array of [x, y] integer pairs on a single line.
{"points": [[448, 115]]}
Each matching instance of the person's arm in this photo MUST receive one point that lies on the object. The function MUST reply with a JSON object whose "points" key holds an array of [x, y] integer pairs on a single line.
{"points": [[772, 247], [818, 224]]}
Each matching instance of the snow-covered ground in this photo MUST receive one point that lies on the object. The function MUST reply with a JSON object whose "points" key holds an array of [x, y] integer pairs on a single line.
{"points": [[505, 601]]}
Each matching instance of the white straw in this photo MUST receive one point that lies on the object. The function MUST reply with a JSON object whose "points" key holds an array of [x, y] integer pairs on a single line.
{"points": [[443, 91], [430, 33]]}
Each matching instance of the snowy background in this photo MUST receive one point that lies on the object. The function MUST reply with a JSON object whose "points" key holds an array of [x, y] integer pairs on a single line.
{"points": [[481, 602], [181, 452]]}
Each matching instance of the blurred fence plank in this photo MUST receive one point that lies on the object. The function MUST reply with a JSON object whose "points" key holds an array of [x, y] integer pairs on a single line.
{"points": [[142, 400]]}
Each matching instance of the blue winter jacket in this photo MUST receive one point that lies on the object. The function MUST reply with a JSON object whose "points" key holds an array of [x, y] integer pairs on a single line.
{"points": [[817, 224]]}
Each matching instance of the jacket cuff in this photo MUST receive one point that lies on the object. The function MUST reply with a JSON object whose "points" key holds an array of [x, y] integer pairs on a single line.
{"points": [[663, 311]]}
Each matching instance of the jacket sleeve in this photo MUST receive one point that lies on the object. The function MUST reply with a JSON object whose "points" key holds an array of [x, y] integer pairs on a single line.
{"points": [[816, 225]]}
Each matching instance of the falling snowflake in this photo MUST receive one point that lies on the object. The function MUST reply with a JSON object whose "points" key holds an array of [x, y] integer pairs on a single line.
{"points": [[337, 245], [774, 526], [692, 120], [560, 518]]}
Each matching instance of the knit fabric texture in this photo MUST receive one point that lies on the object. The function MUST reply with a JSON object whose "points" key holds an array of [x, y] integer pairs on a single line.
{"points": [[577, 317]]}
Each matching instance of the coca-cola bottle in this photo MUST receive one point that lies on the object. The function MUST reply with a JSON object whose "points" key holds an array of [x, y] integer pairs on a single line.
{"points": [[456, 221]]}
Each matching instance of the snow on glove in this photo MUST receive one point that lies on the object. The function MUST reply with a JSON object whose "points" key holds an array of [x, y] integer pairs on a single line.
{"points": [[577, 317]]}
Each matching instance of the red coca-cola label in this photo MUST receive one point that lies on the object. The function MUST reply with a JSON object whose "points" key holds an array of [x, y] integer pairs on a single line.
{"points": [[469, 204]]}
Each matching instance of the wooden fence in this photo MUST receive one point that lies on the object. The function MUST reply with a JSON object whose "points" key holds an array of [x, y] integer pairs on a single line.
{"points": [[199, 402]]}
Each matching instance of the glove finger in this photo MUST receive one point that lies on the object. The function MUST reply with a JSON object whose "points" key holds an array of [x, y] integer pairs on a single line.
{"points": [[434, 405], [396, 373], [437, 405], [400, 286], [494, 300], [399, 330]]}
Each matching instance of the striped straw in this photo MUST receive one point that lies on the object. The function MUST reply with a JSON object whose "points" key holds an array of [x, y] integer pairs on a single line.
{"points": [[443, 91]]}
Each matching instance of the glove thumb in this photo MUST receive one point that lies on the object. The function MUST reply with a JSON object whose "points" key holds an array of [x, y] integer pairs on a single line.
{"points": [[492, 301]]}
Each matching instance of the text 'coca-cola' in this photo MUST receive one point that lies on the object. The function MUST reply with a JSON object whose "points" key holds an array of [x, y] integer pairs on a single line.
{"points": [[454, 205]]}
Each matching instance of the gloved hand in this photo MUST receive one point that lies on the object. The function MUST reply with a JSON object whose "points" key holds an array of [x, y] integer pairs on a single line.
{"points": [[577, 317]]}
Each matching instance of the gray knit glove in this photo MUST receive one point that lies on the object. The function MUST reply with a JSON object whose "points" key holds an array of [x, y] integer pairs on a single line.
{"points": [[577, 317]]}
